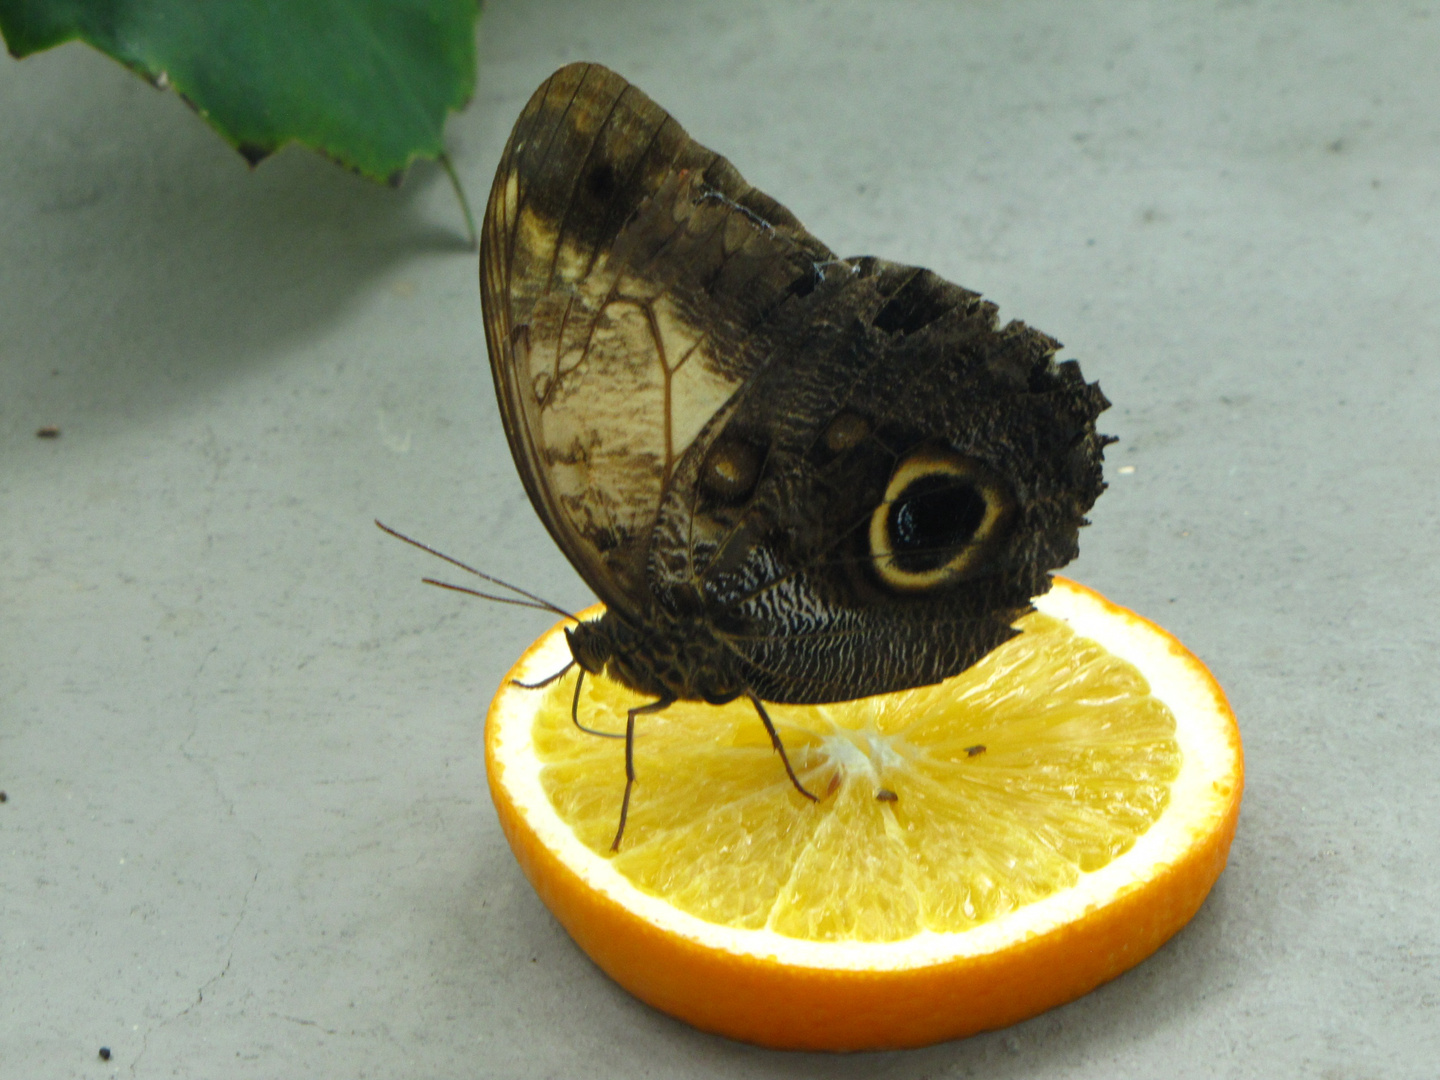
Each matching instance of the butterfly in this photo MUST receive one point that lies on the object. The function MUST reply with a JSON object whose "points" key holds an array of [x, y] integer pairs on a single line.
{"points": [[790, 477]]}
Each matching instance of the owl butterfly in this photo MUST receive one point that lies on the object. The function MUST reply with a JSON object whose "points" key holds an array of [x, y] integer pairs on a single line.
{"points": [[789, 476]]}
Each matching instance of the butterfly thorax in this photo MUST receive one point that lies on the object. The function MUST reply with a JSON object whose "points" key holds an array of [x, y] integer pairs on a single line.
{"points": [[665, 655]]}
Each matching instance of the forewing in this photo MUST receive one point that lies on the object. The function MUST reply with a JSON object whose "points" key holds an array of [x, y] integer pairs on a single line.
{"points": [[630, 278]]}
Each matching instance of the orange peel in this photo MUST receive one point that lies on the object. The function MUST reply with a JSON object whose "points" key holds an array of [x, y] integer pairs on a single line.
{"points": [[780, 990]]}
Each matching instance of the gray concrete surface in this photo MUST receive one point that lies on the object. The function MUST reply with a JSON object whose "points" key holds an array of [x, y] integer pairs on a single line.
{"points": [[247, 832]]}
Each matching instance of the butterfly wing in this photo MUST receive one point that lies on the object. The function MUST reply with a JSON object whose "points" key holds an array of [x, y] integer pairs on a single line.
{"points": [[922, 469], [807, 477], [628, 277]]}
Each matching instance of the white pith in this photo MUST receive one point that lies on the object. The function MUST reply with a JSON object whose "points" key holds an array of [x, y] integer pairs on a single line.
{"points": [[861, 753], [1199, 796]]}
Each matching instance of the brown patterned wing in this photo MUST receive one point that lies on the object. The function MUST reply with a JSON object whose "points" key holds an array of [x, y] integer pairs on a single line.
{"points": [[630, 278], [924, 469]]}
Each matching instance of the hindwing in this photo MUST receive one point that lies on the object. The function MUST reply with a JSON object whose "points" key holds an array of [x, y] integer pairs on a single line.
{"points": [[889, 381]]}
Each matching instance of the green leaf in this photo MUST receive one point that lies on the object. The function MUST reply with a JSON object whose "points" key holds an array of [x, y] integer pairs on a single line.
{"points": [[366, 82]]}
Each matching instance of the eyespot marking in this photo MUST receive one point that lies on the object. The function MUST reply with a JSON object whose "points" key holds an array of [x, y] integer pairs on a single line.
{"points": [[601, 181], [915, 305], [846, 430], [731, 469], [942, 517]]}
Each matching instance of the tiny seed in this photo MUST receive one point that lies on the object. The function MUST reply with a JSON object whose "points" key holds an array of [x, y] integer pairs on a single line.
{"points": [[49, 431], [971, 751], [104, 1053], [886, 795]]}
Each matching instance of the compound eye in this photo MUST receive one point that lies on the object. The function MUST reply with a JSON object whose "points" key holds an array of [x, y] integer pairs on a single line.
{"points": [[943, 517]]}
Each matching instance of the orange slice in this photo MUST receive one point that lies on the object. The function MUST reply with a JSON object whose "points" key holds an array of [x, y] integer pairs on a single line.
{"points": [[986, 848]]}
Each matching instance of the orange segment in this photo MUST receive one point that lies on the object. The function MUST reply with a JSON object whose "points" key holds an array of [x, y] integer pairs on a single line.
{"points": [[984, 848]]}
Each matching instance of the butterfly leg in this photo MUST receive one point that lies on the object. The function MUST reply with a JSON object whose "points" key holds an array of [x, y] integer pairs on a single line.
{"points": [[653, 707], [779, 746]]}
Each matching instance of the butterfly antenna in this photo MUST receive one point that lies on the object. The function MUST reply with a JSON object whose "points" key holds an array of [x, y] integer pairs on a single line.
{"points": [[491, 596], [530, 599]]}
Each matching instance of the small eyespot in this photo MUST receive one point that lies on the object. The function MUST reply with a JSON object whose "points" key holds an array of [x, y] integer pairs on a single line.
{"points": [[942, 517], [805, 282], [846, 430], [520, 345], [731, 469], [601, 181], [920, 301]]}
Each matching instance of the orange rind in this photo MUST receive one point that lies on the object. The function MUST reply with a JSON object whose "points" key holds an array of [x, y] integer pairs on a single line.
{"points": [[813, 927]]}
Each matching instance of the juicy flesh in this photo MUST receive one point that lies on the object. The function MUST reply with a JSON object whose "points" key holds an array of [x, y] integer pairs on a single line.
{"points": [[1044, 761]]}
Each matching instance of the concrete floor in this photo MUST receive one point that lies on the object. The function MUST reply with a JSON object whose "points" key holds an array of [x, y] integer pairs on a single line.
{"points": [[247, 832]]}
